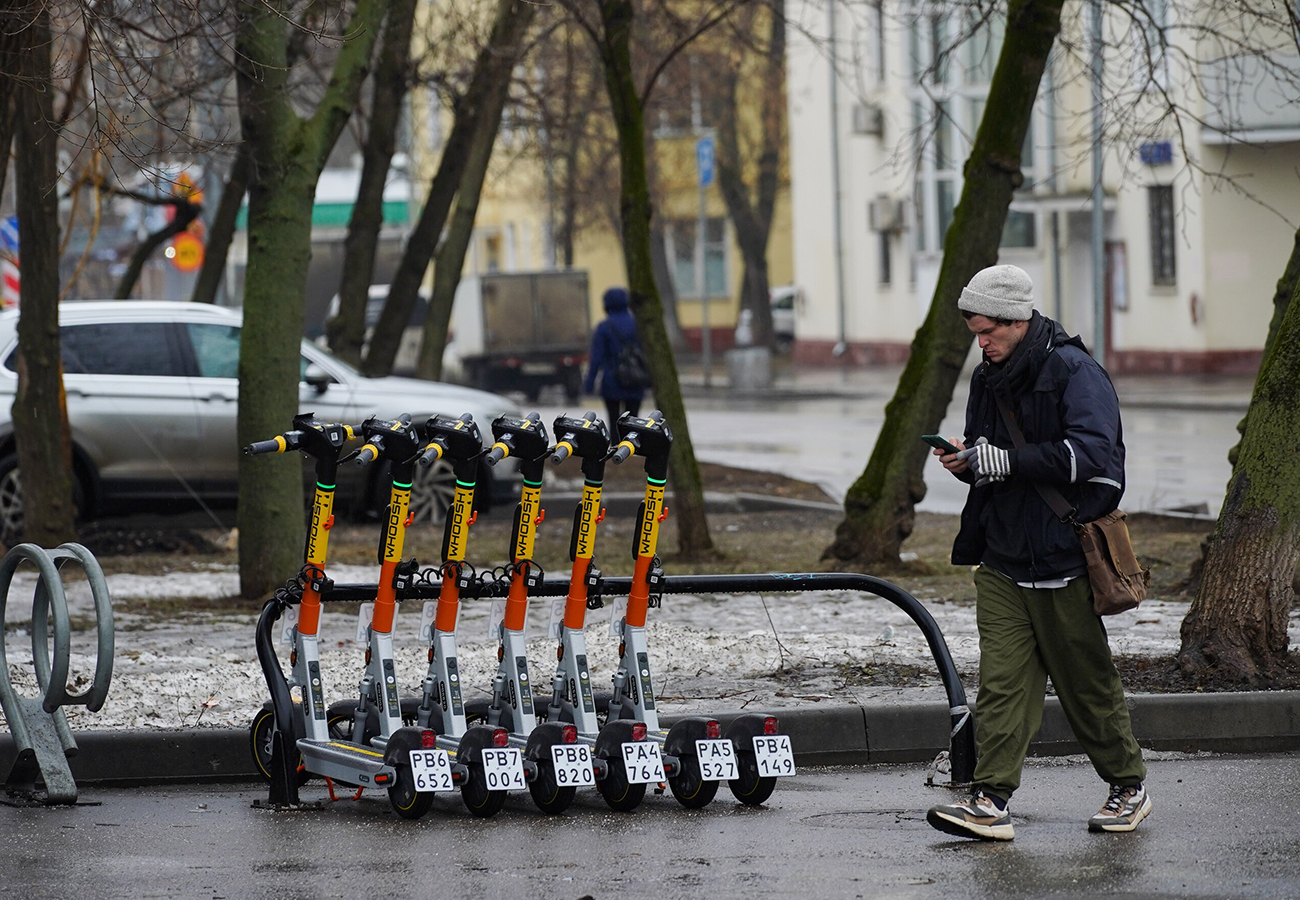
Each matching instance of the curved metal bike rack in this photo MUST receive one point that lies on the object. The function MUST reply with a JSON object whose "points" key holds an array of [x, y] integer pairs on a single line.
{"points": [[961, 747], [40, 729]]}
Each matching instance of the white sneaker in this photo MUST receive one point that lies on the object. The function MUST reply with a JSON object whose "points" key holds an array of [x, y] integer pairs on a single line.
{"points": [[1124, 808]]}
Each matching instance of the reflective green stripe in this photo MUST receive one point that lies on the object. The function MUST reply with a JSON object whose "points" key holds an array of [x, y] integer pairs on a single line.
{"points": [[532, 483], [325, 487], [398, 484], [591, 483], [464, 484], [656, 480]]}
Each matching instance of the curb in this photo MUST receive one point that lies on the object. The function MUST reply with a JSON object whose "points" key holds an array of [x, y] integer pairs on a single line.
{"points": [[1254, 722]]}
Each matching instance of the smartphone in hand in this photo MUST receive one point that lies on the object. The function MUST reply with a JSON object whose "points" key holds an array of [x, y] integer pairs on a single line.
{"points": [[939, 442]]}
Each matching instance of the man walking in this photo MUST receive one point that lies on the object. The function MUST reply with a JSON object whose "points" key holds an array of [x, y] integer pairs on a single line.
{"points": [[1033, 600]]}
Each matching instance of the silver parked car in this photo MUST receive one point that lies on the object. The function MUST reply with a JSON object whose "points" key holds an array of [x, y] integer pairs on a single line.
{"points": [[152, 396]]}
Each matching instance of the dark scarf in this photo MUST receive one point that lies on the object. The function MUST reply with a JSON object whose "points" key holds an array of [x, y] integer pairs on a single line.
{"points": [[1016, 375]]}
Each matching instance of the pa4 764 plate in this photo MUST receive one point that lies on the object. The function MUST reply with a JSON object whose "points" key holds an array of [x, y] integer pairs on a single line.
{"points": [[573, 765], [717, 759], [503, 769], [774, 755], [643, 762], [431, 770]]}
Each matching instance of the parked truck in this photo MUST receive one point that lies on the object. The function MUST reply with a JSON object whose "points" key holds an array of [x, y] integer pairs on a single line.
{"points": [[521, 331]]}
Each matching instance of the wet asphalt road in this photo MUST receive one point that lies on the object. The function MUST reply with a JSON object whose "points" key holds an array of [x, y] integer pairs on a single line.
{"points": [[1223, 827]]}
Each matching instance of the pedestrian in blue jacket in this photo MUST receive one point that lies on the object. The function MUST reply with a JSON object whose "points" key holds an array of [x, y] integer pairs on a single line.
{"points": [[616, 330], [1033, 600]]}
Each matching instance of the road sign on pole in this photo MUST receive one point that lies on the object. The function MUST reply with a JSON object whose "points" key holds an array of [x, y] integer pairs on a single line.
{"points": [[704, 159], [10, 277]]}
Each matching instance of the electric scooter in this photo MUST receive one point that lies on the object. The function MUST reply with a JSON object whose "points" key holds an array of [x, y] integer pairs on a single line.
{"points": [[701, 757], [562, 765], [621, 769], [384, 760], [494, 767]]}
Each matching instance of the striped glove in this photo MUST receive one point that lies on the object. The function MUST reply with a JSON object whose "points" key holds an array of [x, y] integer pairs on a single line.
{"points": [[988, 463]]}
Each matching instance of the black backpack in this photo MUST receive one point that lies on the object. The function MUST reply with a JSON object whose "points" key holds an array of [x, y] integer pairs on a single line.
{"points": [[631, 371]]}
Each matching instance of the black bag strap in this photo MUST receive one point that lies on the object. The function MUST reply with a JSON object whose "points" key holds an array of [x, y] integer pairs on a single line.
{"points": [[1051, 496]]}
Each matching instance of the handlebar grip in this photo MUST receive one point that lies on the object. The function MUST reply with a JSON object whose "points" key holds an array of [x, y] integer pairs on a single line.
{"points": [[563, 450], [275, 445], [496, 454], [431, 454], [622, 453], [367, 454]]}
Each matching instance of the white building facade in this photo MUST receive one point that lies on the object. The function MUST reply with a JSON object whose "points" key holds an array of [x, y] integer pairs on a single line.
{"points": [[1200, 210]]}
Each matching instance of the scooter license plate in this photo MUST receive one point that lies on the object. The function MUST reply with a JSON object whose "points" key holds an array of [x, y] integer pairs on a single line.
{"points": [[717, 759], [774, 755], [503, 769], [573, 765], [431, 770], [643, 762]]}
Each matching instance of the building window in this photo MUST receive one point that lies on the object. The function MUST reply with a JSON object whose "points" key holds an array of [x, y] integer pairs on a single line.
{"points": [[1160, 211], [682, 249], [886, 260]]}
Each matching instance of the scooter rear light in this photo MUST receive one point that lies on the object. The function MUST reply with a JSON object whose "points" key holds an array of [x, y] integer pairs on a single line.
{"points": [[501, 737], [769, 725], [638, 731], [712, 729], [428, 739], [569, 734]]}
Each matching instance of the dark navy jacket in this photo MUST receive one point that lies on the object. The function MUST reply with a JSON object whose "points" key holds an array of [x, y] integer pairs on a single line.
{"points": [[1074, 440], [616, 329]]}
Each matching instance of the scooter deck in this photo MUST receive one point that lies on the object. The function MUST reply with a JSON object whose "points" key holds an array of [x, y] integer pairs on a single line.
{"points": [[346, 762]]}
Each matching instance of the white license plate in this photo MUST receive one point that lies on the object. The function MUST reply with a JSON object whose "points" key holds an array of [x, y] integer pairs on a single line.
{"points": [[717, 759], [431, 770], [643, 762], [573, 765], [775, 758], [537, 368], [503, 769]]}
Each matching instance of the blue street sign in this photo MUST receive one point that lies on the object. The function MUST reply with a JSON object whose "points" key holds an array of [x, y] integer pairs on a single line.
{"points": [[704, 160]]}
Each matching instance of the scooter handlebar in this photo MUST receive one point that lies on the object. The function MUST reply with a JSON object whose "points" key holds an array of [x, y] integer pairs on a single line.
{"points": [[432, 453], [278, 444], [367, 454], [498, 452], [622, 453], [563, 450]]}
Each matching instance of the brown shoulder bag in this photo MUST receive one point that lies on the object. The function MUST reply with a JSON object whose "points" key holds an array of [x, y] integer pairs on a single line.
{"points": [[1119, 582]]}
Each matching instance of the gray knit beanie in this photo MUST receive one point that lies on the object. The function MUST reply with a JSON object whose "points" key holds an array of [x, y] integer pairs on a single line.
{"points": [[999, 292]]}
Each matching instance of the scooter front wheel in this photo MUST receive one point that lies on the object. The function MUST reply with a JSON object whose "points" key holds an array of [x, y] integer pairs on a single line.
{"points": [[547, 793], [406, 801], [750, 788], [261, 733], [688, 785], [479, 799], [619, 794]]}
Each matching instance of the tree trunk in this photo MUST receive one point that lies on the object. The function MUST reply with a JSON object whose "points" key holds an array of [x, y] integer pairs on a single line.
{"points": [[753, 223], [287, 156], [450, 258], [879, 509], [492, 68], [39, 411], [185, 213], [222, 230], [1237, 624], [635, 212], [347, 330]]}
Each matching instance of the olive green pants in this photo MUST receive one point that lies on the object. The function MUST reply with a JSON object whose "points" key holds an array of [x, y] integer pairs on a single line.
{"points": [[1027, 635]]}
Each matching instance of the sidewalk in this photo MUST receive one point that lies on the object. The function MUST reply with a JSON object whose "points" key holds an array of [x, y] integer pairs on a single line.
{"points": [[1209, 393]]}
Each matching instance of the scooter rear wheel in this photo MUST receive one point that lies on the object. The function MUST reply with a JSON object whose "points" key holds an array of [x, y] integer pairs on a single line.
{"points": [[689, 787], [547, 793], [480, 800], [619, 794], [751, 788], [406, 801]]}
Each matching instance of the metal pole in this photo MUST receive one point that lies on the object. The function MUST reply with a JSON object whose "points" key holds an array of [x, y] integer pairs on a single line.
{"points": [[706, 339], [842, 345], [1098, 234]]}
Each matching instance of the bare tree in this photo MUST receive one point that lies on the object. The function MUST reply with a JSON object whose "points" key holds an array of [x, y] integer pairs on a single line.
{"points": [[288, 152]]}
